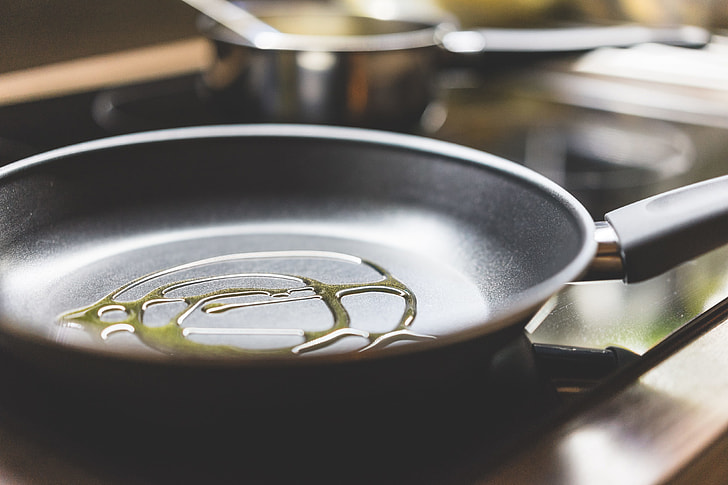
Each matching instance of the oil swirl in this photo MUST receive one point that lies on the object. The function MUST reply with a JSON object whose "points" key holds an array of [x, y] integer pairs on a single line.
{"points": [[173, 336]]}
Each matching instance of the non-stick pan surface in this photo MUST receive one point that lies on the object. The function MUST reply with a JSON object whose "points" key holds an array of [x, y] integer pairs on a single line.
{"points": [[257, 243]]}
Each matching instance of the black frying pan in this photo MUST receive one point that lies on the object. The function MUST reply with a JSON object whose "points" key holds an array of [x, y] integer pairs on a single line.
{"points": [[259, 265]]}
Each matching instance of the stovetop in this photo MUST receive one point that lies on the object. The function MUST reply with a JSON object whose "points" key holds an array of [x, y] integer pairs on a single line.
{"points": [[620, 371]]}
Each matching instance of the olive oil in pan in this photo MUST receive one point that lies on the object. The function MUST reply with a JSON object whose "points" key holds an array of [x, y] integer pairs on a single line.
{"points": [[174, 336]]}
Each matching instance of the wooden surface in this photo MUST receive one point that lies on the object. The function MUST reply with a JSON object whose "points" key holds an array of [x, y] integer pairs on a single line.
{"points": [[86, 74], [38, 32]]}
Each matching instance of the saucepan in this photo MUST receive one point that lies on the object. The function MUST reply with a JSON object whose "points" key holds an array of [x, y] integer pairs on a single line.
{"points": [[297, 62], [268, 265]]}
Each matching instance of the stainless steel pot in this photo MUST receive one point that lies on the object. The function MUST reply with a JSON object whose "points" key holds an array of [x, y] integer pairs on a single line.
{"points": [[322, 65], [326, 67]]}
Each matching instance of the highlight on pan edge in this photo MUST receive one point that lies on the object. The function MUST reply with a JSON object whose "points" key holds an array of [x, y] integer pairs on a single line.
{"points": [[256, 303]]}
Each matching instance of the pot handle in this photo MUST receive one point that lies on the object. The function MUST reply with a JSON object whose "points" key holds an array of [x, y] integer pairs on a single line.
{"points": [[571, 39], [660, 232]]}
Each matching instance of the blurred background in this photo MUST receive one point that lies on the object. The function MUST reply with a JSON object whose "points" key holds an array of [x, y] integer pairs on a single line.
{"points": [[36, 32]]}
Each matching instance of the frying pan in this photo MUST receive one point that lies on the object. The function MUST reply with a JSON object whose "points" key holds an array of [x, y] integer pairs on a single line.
{"points": [[256, 265], [319, 64]]}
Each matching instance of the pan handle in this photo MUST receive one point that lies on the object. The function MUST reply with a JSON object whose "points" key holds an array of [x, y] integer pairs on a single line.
{"points": [[660, 232], [571, 39]]}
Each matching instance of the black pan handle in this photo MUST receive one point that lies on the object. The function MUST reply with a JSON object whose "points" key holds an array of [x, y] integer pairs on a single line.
{"points": [[660, 232]]}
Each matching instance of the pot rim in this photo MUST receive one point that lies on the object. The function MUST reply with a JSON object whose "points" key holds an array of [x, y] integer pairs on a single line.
{"points": [[420, 33]]}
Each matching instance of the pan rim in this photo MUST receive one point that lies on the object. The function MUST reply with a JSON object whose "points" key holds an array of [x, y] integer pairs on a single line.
{"points": [[516, 312]]}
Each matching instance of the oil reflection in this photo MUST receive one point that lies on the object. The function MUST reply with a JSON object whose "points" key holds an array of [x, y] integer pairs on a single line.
{"points": [[221, 293]]}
